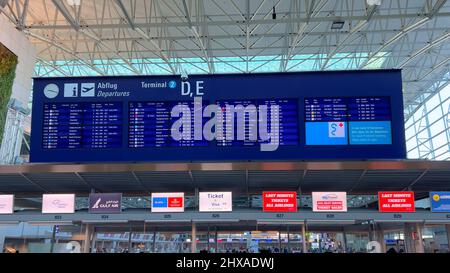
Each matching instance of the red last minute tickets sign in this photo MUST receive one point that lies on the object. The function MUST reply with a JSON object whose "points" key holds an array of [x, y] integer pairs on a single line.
{"points": [[396, 201], [280, 201]]}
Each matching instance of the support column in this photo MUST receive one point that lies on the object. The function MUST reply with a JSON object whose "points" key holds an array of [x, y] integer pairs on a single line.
{"points": [[279, 241], [194, 238], [371, 230], [288, 240], [420, 248], [87, 238], [216, 241], [447, 228], [154, 241], [207, 242], [344, 236], [379, 237], [304, 237], [413, 238], [129, 240], [53, 239]]}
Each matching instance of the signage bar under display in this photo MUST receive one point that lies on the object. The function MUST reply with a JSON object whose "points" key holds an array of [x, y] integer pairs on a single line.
{"points": [[279, 201], [346, 115], [396, 201], [6, 203], [329, 201], [440, 201], [168, 202], [58, 203], [105, 203], [215, 201]]}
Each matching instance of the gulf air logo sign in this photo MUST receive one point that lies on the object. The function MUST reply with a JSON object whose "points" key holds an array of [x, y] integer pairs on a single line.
{"points": [[168, 202]]}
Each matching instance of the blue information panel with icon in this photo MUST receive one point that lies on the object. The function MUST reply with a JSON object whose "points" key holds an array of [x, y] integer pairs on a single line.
{"points": [[440, 201], [352, 120], [342, 115]]}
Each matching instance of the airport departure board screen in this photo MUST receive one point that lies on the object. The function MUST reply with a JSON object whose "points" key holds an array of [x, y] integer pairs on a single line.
{"points": [[287, 119], [82, 125], [150, 125], [348, 121], [347, 115]]}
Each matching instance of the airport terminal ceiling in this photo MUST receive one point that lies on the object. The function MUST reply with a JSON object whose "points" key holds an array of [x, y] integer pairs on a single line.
{"points": [[128, 37], [114, 37]]}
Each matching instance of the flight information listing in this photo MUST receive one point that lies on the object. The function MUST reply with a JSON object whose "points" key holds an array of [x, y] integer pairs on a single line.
{"points": [[350, 120], [82, 125]]}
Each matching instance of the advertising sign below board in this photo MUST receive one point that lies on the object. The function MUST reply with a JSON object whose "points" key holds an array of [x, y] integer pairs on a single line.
{"points": [[215, 201], [105, 203], [280, 201], [58, 203], [396, 201], [168, 202], [440, 201], [6, 204], [329, 201]]}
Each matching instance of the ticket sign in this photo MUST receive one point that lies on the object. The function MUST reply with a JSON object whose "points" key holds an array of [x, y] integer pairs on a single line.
{"points": [[396, 201], [58, 203], [215, 201], [280, 201], [329, 201], [440, 201], [168, 202], [6, 204]]}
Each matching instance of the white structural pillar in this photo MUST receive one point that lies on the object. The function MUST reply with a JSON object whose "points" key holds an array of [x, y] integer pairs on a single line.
{"points": [[87, 238], [379, 237], [194, 238], [413, 238], [304, 237], [447, 228], [216, 241]]}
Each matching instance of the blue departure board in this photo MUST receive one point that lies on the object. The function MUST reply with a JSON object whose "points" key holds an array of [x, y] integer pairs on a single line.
{"points": [[287, 115], [333, 115], [150, 125], [82, 125], [325, 109], [351, 120]]}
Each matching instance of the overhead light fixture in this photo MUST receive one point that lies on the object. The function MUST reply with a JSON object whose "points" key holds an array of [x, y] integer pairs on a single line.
{"points": [[73, 2], [373, 2], [337, 24]]}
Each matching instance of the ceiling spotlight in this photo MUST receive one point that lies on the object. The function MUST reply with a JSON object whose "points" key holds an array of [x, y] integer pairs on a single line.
{"points": [[337, 24], [373, 2], [73, 2]]}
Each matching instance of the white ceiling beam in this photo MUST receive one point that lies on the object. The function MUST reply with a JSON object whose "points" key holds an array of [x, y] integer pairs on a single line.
{"points": [[424, 49], [266, 21], [428, 16], [63, 48], [66, 14]]}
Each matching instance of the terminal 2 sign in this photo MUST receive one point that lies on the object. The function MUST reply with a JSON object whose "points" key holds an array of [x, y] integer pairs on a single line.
{"points": [[280, 201], [396, 201]]}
